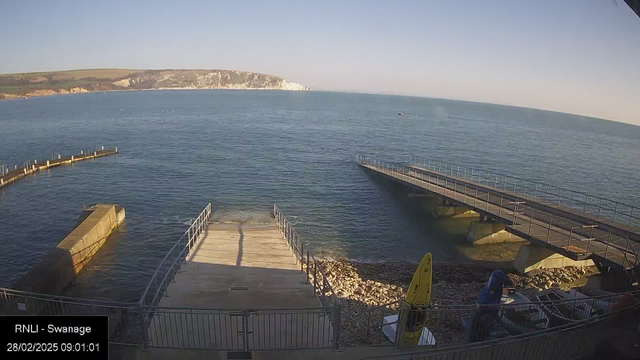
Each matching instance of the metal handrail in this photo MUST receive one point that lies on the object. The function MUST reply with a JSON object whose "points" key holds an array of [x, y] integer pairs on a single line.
{"points": [[468, 348], [453, 188], [613, 212], [172, 261], [313, 268], [299, 247]]}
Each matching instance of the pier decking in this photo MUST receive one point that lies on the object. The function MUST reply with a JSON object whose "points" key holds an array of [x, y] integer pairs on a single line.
{"points": [[8, 176]]}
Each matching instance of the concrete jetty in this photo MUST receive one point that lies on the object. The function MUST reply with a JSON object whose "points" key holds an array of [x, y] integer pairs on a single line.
{"points": [[8, 176], [58, 268], [241, 266], [578, 237]]}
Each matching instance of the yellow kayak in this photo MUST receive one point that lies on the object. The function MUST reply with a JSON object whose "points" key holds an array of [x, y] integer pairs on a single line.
{"points": [[417, 299]]}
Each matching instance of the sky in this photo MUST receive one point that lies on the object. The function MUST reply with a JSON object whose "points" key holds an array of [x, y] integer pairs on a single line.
{"points": [[574, 56]]}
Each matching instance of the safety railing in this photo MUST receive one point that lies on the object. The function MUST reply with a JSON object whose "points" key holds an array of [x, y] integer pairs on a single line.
{"points": [[531, 223], [460, 324], [305, 257], [573, 340], [312, 268], [243, 329], [126, 323], [599, 207], [171, 263]]}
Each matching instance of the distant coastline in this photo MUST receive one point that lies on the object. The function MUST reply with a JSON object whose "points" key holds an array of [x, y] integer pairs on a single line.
{"points": [[16, 86]]}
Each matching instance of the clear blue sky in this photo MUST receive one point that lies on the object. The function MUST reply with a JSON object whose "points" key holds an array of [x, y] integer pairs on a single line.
{"points": [[576, 56]]}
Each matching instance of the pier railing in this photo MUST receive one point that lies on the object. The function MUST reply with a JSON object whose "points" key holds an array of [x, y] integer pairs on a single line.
{"points": [[461, 324], [574, 340], [599, 207], [241, 329], [305, 257], [171, 263], [521, 219], [7, 175]]}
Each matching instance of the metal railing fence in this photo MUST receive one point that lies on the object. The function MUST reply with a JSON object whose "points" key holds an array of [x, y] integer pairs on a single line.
{"points": [[305, 257], [461, 324], [126, 320], [521, 219], [599, 207], [569, 341], [171, 263], [243, 329]]}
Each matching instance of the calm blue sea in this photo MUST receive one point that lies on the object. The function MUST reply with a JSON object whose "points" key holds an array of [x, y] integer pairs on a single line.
{"points": [[244, 150]]}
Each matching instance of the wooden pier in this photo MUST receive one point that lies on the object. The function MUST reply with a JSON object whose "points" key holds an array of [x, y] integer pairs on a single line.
{"points": [[9, 176]]}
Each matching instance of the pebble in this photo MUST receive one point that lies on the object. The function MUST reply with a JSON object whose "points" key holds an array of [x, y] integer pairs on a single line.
{"points": [[364, 286]]}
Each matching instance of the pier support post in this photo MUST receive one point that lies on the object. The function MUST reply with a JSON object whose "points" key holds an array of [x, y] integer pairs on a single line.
{"points": [[47, 163], [441, 208], [71, 158], [531, 257], [1, 182], [490, 232]]}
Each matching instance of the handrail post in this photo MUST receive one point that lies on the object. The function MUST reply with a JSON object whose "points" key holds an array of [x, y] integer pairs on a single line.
{"points": [[570, 236], [301, 255], [615, 211], [315, 277], [337, 326], [143, 326], [475, 198], [307, 265]]}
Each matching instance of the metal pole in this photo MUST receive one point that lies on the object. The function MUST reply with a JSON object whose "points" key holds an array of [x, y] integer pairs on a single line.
{"points": [[337, 326], [531, 221], [570, 236], [599, 207], [475, 198], [549, 231], [572, 194], [143, 326], [307, 266]]}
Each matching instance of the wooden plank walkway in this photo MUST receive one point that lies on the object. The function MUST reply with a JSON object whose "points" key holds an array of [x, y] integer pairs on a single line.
{"points": [[563, 234], [8, 177]]}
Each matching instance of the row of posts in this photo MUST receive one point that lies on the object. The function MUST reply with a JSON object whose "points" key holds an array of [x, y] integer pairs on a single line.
{"points": [[30, 166]]}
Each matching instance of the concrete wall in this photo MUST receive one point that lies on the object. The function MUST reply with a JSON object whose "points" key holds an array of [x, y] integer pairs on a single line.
{"points": [[59, 267], [532, 257]]}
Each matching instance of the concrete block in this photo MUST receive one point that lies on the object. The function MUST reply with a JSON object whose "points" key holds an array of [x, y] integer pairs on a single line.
{"points": [[59, 267], [489, 232], [532, 257]]}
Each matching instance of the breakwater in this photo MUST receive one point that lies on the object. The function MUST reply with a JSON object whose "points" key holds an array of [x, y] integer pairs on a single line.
{"points": [[8, 176]]}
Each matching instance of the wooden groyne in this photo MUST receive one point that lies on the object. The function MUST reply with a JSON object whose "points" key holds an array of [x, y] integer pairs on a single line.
{"points": [[7, 176]]}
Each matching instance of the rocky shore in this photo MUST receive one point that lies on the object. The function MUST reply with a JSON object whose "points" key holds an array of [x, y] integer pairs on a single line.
{"points": [[363, 289]]}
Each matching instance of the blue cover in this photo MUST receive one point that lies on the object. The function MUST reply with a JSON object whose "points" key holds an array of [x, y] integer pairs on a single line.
{"points": [[492, 291]]}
